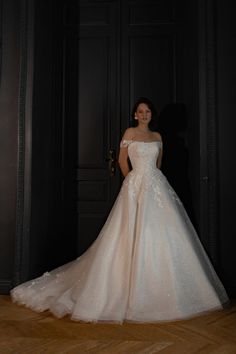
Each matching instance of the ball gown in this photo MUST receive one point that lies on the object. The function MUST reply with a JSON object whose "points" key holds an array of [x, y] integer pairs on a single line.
{"points": [[146, 265]]}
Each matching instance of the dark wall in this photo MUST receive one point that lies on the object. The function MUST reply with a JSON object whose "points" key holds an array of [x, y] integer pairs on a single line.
{"points": [[226, 112], [35, 232], [9, 89]]}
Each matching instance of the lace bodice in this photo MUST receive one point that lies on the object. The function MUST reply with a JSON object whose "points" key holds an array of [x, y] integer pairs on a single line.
{"points": [[145, 175], [143, 155]]}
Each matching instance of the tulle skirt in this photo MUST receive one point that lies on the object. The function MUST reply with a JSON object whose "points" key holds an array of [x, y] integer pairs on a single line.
{"points": [[146, 265]]}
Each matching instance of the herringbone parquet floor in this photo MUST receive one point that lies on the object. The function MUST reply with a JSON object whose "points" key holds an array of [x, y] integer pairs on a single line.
{"points": [[23, 331]]}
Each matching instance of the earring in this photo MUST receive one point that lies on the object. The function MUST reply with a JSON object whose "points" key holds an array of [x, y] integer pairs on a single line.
{"points": [[135, 117]]}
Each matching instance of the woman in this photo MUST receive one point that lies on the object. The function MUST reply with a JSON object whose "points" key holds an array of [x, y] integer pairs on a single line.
{"points": [[147, 264]]}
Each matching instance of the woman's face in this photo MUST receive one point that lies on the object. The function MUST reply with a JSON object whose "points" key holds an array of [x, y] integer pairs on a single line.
{"points": [[143, 114]]}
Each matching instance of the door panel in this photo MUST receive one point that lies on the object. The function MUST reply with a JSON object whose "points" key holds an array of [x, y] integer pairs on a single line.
{"points": [[98, 120], [93, 102], [151, 68]]}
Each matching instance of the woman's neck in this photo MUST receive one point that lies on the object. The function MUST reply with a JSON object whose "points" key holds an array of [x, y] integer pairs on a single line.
{"points": [[143, 128]]}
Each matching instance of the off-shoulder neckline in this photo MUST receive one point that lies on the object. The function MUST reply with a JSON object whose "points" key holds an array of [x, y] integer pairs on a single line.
{"points": [[142, 141]]}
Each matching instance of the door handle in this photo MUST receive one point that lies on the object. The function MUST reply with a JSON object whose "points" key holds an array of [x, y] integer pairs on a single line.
{"points": [[111, 159]]}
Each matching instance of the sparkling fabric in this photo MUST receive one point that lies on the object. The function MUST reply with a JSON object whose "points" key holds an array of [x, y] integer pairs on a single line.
{"points": [[146, 265]]}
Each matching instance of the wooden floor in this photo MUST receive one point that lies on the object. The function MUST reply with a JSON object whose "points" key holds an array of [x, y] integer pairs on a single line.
{"points": [[23, 331]]}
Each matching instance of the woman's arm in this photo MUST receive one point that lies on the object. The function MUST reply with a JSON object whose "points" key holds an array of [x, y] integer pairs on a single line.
{"points": [[123, 154], [123, 161]]}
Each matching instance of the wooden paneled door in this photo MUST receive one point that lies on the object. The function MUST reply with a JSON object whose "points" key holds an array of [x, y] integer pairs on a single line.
{"points": [[98, 178], [126, 49]]}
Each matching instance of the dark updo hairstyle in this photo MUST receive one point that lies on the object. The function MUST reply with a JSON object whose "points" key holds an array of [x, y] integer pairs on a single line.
{"points": [[152, 123]]}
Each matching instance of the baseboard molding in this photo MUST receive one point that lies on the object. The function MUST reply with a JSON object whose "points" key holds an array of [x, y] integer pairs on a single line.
{"points": [[5, 286]]}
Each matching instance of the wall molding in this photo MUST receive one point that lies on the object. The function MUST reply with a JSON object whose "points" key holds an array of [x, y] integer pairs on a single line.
{"points": [[24, 143]]}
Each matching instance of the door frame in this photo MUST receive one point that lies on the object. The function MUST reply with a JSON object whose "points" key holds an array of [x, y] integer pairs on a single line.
{"points": [[208, 174]]}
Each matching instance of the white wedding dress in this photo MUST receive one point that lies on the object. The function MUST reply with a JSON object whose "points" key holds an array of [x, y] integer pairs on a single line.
{"points": [[146, 265]]}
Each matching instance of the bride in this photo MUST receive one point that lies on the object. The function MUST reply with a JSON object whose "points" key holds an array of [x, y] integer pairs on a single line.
{"points": [[147, 263]]}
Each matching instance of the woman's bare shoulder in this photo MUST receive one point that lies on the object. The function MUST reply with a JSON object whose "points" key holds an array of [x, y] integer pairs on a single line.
{"points": [[157, 136], [128, 134]]}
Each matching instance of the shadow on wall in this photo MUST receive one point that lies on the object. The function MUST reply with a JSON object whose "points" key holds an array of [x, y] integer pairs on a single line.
{"points": [[172, 124]]}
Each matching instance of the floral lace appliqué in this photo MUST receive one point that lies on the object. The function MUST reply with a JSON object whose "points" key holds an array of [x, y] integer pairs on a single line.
{"points": [[174, 195], [134, 184]]}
